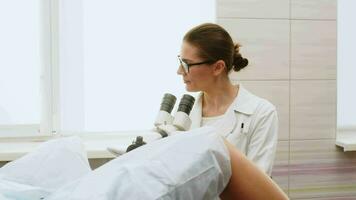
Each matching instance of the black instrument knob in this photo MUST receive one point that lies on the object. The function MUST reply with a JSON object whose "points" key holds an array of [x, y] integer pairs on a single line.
{"points": [[137, 143]]}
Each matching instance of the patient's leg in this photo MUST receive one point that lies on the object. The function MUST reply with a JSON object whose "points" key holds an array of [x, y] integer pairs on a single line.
{"points": [[249, 182]]}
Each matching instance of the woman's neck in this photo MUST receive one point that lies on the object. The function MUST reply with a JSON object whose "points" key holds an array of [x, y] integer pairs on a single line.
{"points": [[217, 99]]}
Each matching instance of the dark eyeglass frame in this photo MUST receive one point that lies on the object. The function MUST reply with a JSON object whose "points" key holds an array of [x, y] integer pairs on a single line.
{"points": [[186, 66]]}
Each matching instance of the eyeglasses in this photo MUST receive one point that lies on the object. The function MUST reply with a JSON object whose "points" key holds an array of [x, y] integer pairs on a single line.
{"points": [[186, 66]]}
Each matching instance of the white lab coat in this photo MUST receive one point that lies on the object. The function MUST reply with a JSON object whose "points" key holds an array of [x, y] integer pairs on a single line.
{"points": [[250, 124]]}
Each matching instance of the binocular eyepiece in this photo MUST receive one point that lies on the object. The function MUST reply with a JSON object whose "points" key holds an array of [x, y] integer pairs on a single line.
{"points": [[165, 123], [181, 120], [168, 102], [186, 104]]}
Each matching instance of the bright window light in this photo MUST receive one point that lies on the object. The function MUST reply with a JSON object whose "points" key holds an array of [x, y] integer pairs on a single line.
{"points": [[346, 65], [120, 59], [19, 63]]}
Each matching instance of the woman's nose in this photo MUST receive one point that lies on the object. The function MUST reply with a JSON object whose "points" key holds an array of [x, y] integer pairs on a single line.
{"points": [[180, 70]]}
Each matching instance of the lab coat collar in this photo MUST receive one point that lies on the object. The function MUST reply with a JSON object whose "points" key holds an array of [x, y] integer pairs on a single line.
{"points": [[245, 103], [197, 111]]}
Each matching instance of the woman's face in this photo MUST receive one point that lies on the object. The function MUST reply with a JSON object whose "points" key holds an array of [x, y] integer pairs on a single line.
{"points": [[199, 77]]}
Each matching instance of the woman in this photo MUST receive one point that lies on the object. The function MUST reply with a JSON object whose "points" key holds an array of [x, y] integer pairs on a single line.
{"points": [[248, 122]]}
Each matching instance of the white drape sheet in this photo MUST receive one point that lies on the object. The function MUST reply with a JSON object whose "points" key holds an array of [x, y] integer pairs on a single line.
{"points": [[189, 165]]}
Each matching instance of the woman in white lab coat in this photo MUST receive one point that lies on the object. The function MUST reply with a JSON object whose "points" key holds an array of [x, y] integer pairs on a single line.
{"points": [[248, 122]]}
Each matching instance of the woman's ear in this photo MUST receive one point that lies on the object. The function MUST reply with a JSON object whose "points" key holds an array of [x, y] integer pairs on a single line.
{"points": [[219, 67]]}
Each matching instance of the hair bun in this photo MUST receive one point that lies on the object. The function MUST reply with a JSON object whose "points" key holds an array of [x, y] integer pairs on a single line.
{"points": [[239, 62]]}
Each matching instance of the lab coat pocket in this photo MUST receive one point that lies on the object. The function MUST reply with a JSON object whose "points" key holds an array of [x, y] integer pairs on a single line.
{"points": [[242, 125], [239, 135], [236, 135]]}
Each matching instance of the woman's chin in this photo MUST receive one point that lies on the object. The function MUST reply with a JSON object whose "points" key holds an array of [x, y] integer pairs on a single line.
{"points": [[189, 88]]}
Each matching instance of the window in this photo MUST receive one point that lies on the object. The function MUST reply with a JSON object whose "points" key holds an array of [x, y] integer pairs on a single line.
{"points": [[346, 71], [90, 66], [19, 67], [119, 58]]}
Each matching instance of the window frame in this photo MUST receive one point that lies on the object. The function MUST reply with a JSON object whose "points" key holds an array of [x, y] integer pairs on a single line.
{"points": [[49, 79]]}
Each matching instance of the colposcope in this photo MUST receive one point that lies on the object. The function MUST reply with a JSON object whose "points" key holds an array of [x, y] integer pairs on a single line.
{"points": [[166, 124]]}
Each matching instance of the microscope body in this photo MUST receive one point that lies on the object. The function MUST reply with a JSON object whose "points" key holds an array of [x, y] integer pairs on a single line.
{"points": [[165, 124], [168, 125]]}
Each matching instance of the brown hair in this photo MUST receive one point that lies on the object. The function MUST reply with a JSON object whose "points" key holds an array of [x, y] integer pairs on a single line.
{"points": [[215, 43]]}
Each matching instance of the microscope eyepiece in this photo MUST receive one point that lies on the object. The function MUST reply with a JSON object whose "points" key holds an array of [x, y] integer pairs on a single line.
{"points": [[168, 102], [186, 104]]}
